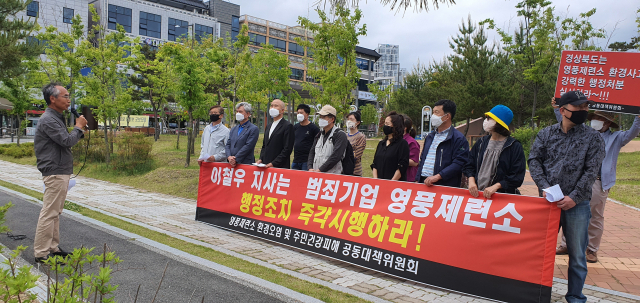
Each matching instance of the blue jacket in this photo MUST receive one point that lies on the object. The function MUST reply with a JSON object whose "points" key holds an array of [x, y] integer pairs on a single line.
{"points": [[242, 146], [452, 155]]}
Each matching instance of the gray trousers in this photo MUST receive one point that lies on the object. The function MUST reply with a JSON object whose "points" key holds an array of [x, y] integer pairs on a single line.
{"points": [[596, 224]]}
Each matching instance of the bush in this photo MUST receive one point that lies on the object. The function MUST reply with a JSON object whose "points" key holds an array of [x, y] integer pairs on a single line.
{"points": [[526, 135], [13, 150], [96, 147], [133, 152]]}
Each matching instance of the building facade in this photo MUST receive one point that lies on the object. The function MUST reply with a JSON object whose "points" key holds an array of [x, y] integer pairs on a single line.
{"points": [[228, 15], [57, 13], [387, 68]]}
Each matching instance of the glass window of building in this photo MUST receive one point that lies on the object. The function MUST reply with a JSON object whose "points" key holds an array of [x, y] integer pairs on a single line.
{"points": [[362, 85], [280, 45], [177, 28], [296, 74], [33, 8], [257, 39], [362, 64], [296, 49], [119, 15], [203, 31], [150, 25], [67, 15], [235, 27]]}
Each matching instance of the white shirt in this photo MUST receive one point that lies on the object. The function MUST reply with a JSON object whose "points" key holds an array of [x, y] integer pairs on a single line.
{"points": [[213, 142], [273, 126]]}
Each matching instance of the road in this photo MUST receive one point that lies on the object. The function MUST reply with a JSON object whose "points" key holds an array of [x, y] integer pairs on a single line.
{"points": [[142, 265]]}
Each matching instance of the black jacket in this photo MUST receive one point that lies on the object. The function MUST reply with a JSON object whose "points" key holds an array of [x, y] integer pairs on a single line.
{"points": [[511, 169], [277, 148]]}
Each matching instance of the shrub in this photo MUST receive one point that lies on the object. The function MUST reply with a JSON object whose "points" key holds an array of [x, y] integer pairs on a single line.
{"points": [[133, 152], [526, 135], [96, 150], [13, 150]]}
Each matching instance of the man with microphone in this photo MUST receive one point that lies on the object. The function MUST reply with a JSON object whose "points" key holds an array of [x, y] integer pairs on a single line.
{"points": [[52, 145]]}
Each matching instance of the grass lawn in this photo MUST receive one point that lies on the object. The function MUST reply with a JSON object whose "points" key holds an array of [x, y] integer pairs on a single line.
{"points": [[627, 188]]}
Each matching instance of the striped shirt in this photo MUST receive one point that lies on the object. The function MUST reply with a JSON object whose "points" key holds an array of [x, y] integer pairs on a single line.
{"points": [[430, 161], [358, 143]]}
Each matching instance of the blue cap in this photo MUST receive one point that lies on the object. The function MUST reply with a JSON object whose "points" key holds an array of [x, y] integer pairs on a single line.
{"points": [[501, 114]]}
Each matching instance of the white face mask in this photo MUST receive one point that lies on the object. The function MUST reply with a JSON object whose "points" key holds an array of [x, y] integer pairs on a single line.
{"points": [[436, 121], [323, 123], [300, 117], [239, 117], [488, 125], [350, 124], [274, 112], [597, 124]]}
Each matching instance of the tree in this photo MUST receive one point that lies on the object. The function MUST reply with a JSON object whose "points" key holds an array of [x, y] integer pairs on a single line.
{"points": [[369, 114], [13, 38], [153, 80], [104, 88], [268, 75], [333, 65], [398, 5], [189, 63], [19, 91], [633, 44]]}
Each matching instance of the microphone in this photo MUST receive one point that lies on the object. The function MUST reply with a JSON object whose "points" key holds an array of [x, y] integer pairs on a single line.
{"points": [[74, 112]]}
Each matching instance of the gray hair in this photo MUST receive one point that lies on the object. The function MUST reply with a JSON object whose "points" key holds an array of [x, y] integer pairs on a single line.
{"points": [[49, 90], [247, 107]]}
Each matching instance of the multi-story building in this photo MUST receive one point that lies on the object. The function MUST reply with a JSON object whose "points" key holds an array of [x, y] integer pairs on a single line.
{"points": [[57, 13], [388, 70], [282, 38], [228, 15]]}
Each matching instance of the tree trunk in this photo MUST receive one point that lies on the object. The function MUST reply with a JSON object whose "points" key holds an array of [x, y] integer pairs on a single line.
{"points": [[196, 131], [107, 155], [113, 136], [533, 108], [156, 136], [190, 138], [521, 109], [19, 130], [178, 133], [466, 131]]}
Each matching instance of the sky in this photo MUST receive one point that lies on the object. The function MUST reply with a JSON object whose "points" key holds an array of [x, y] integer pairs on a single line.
{"points": [[424, 36]]}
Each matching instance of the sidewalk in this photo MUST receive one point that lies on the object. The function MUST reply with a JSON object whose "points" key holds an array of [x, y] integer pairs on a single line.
{"points": [[176, 215]]}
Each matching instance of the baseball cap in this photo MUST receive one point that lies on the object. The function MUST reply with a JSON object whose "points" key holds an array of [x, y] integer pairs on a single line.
{"points": [[575, 97], [327, 110]]}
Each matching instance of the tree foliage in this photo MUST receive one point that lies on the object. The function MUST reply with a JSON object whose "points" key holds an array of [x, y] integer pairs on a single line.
{"points": [[13, 38]]}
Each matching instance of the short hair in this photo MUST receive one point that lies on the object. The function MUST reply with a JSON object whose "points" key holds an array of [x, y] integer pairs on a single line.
{"points": [[218, 107], [331, 116], [304, 107], [448, 106], [49, 90], [356, 115], [247, 107], [498, 128]]}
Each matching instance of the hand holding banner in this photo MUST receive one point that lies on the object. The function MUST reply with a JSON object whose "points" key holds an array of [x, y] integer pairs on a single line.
{"points": [[501, 248]]}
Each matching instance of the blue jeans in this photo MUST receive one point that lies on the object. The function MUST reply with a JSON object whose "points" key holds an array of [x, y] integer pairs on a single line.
{"points": [[575, 225], [299, 165]]}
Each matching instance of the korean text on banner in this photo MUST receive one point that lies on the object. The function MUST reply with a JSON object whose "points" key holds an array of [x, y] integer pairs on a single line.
{"points": [[611, 79], [501, 248]]}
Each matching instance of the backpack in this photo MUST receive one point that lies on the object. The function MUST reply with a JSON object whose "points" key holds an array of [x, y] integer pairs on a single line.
{"points": [[348, 160]]}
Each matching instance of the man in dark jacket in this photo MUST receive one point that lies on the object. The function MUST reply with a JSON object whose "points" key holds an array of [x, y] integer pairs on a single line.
{"points": [[279, 138], [242, 137], [52, 146], [445, 152]]}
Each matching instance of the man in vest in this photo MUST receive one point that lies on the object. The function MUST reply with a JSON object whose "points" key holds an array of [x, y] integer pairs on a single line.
{"points": [[329, 146]]}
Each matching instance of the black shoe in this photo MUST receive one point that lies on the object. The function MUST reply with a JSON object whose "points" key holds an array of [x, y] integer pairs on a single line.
{"points": [[60, 253], [43, 259]]}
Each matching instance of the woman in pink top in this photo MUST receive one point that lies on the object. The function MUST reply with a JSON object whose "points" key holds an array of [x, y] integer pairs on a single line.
{"points": [[414, 148]]}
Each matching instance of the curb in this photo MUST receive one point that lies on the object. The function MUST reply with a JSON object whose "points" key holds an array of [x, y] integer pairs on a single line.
{"points": [[229, 271]]}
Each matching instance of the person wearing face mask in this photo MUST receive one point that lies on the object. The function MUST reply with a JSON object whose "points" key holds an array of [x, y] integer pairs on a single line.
{"points": [[279, 138], [391, 159], [414, 148], [445, 151], [614, 141], [214, 137], [329, 146], [496, 162], [305, 132], [242, 137], [357, 140], [570, 155]]}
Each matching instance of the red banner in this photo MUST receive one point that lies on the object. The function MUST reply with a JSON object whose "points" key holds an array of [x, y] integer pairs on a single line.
{"points": [[501, 248], [611, 79]]}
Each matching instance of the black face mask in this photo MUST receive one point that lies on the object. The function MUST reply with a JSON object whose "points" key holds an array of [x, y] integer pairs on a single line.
{"points": [[387, 129], [578, 117], [214, 118]]}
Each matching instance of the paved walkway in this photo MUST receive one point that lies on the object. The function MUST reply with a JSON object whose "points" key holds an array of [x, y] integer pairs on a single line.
{"points": [[176, 215], [7, 140]]}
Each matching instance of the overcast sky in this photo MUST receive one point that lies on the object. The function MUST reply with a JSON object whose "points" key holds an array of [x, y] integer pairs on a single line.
{"points": [[424, 36]]}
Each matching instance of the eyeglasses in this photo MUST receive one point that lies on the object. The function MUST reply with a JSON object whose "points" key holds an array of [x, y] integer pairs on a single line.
{"points": [[66, 97]]}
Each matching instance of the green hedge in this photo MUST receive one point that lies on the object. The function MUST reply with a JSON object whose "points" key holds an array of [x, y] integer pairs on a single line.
{"points": [[526, 135], [13, 150]]}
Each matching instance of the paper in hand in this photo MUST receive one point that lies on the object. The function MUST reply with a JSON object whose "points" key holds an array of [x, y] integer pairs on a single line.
{"points": [[72, 183], [205, 157], [259, 164], [554, 193]]}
